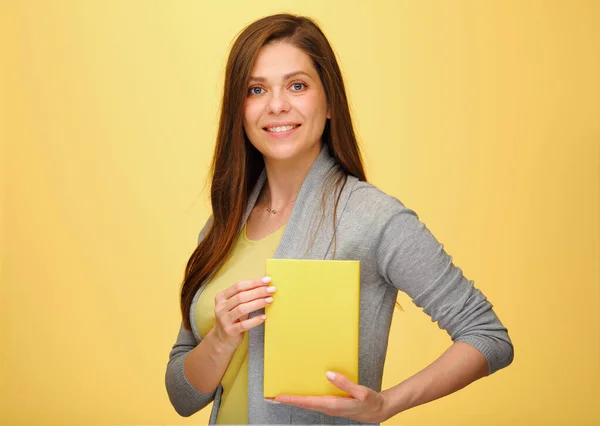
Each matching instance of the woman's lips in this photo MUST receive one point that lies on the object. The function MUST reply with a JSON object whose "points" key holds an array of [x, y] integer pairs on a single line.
{"points": [[282, 134]]}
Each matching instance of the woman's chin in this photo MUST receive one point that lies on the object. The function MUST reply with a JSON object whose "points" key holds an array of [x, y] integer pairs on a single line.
{"points": [[281, 152], [289, 150]]}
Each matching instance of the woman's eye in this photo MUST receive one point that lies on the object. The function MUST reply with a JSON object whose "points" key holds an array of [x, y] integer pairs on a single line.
{"points": [[298, 86], [255, 90]]}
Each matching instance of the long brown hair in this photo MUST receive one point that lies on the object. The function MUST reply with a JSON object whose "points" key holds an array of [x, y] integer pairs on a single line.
{"points": [[237, 164]]}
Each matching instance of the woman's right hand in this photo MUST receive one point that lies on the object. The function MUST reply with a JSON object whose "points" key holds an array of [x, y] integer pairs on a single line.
{"points": [[234, 305]]}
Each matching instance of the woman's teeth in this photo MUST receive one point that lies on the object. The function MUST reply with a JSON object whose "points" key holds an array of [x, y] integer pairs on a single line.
{"points": [[281, 128]]}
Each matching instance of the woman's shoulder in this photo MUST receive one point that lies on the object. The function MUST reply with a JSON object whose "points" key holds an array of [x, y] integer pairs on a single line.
{"points": [[368, 200], [370, 213]]}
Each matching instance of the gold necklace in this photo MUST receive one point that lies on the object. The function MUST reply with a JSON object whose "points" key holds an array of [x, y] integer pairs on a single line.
{"points": [[270, 210]]}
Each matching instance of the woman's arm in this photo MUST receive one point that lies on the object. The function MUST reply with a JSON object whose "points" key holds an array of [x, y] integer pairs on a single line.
{"points": [[194, 371], [205, 365], [458, 366], [411, 259]]}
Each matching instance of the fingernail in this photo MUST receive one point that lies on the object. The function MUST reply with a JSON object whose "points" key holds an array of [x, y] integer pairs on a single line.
{"points": [[266, 280], [330, 375], [272, 401], [269, 299], [271, 289]]}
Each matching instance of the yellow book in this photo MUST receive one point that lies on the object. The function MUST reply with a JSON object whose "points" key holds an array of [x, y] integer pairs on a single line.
{"points": [[312, 326]]}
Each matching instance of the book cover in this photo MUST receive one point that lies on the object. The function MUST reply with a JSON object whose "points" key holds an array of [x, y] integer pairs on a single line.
{"points": [[312, 326]]}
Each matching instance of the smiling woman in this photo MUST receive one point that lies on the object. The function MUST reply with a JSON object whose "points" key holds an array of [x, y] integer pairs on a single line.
{"points": [[286, 159]]}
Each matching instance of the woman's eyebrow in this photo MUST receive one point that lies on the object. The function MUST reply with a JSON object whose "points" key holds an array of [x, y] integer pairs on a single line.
{"points": [[285, 77]]}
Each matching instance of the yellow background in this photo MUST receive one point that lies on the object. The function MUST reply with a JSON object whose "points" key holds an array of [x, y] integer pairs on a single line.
{"points": [[481, 116]]}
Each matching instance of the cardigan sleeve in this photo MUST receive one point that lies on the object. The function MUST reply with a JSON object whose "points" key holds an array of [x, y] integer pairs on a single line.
{"points": [[183, 396], [411, 259]]}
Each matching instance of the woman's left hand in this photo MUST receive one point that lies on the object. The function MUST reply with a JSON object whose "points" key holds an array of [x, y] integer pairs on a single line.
{"points": [[364, 404]]}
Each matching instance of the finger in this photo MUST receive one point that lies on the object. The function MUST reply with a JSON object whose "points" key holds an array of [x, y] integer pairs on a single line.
{"points": [[246, 325], [342, 382], [247, 308], [242, 286], [249, 295]]}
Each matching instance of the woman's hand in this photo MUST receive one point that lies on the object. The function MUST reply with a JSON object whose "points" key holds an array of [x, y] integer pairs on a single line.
{"points": [[233, 306], [364, 404]]}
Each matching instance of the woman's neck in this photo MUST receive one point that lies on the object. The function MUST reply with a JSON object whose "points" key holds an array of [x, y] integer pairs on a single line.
{"points": [[285, 178]]}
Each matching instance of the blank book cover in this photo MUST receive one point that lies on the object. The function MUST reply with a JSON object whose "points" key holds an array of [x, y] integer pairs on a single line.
{"points": [[312, 326]]}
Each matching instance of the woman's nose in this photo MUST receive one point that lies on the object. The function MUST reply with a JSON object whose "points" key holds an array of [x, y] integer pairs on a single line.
{"points": [[278, 102]]}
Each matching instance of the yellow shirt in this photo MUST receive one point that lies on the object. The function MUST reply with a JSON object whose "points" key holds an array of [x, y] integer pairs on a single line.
{"points": [[246, 261]]}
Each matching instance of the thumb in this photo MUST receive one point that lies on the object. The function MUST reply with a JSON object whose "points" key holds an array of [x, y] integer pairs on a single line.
{"points": [[342, 382]]}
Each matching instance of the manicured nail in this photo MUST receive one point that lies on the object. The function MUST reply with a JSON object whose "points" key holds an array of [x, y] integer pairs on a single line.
{"points": [[272, 401], [263, 317], [266, 280], [330, 375], [269, 299], [271, 289]]}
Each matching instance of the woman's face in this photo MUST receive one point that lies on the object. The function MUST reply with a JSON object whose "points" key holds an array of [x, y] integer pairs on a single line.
{"points": [[285, 108]]}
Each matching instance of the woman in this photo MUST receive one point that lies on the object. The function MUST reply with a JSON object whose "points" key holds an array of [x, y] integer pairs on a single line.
{"points": [[288, 182]]}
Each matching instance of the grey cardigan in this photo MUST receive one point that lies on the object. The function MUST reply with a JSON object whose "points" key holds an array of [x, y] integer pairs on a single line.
{"points": [[396, 252]]}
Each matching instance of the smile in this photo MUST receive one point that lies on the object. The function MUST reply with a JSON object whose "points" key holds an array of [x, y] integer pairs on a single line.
{"points": [[281, 131], [281, 128]]}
